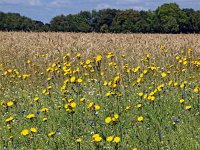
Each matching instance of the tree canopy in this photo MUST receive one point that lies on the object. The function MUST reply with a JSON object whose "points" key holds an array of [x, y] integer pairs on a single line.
{"points": [[167, 18]]}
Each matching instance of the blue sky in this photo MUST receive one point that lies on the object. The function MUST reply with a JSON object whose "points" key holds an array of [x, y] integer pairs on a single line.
{"points": [[45, 10]]}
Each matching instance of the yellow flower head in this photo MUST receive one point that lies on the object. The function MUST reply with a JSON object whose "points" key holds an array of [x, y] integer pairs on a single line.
{"points": [[116, 139], [110, 138], [82, 99], [139, 105], [116, 116], [188, 107], [163, 74], [73, 104], [140, 94], [181, 101], [140, 118], [51, 134], [72, 79], [79, 80], [88, 61], [30, 116], [44, 119], [9, 104], [78, 55], [90, 105], [108, 120], [97, 107], [79, 140], [196, 89], [36, 98], [9, 119], [34, 130], [98, 139], [24, 132], [98, 58], [44, 110]]}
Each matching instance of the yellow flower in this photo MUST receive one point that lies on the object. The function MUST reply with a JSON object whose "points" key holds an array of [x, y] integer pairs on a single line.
{"points": [[79, 80], [97, 107], [24, 132], [9, 104], [116, 116], [90, 105], [88, 61], [182, 85], [108, 120], [163, 74], [196, 89], [98, 139], [116, 139], [9, 119], [30, 116], [188, 107], [98, 58], [139, 80], [73, 104], [78, 55], [140, 94], [135, 148], [82, 99], [140, 118], [95, 135], [36, 98], [181, 101], [177, 57], [72, 79], [66, 106], [44, 119], [108, 94], [51, 134], [34, 130], [44, 110], [139, 105], [78, 140], [109, 138], [176, 84]]}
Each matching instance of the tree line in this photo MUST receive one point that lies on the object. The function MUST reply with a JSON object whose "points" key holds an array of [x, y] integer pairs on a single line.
{"points": [[167, 18]]}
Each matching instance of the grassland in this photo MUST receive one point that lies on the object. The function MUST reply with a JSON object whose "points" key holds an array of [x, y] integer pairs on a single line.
{"points": [[99, 91]]}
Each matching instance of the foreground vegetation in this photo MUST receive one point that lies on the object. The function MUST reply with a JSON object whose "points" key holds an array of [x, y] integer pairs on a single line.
{"points": [[99, 91], [167, 18]]}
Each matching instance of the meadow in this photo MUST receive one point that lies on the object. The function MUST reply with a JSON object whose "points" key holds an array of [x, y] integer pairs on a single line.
{"points": [[99, 91]]}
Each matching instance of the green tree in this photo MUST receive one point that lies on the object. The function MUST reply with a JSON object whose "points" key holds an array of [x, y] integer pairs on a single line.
{"points": [[170, 18]]}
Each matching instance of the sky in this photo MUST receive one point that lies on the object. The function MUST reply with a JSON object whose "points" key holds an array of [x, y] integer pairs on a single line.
{"points": [[45, 10]]}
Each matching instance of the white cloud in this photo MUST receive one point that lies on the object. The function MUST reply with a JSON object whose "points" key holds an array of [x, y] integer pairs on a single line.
{"points": [[103, 6], [59, 3], [128, 1], [27, 2]]}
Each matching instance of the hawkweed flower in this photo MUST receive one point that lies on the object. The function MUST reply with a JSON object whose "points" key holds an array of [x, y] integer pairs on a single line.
{"points": [[10, 119], [51, 134], [181, 101], [140, 118], [33, 130], [25, 132], [116, 139], [96, 138], [188, 107], [30, 116], [110, 138], [10, 104]]}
